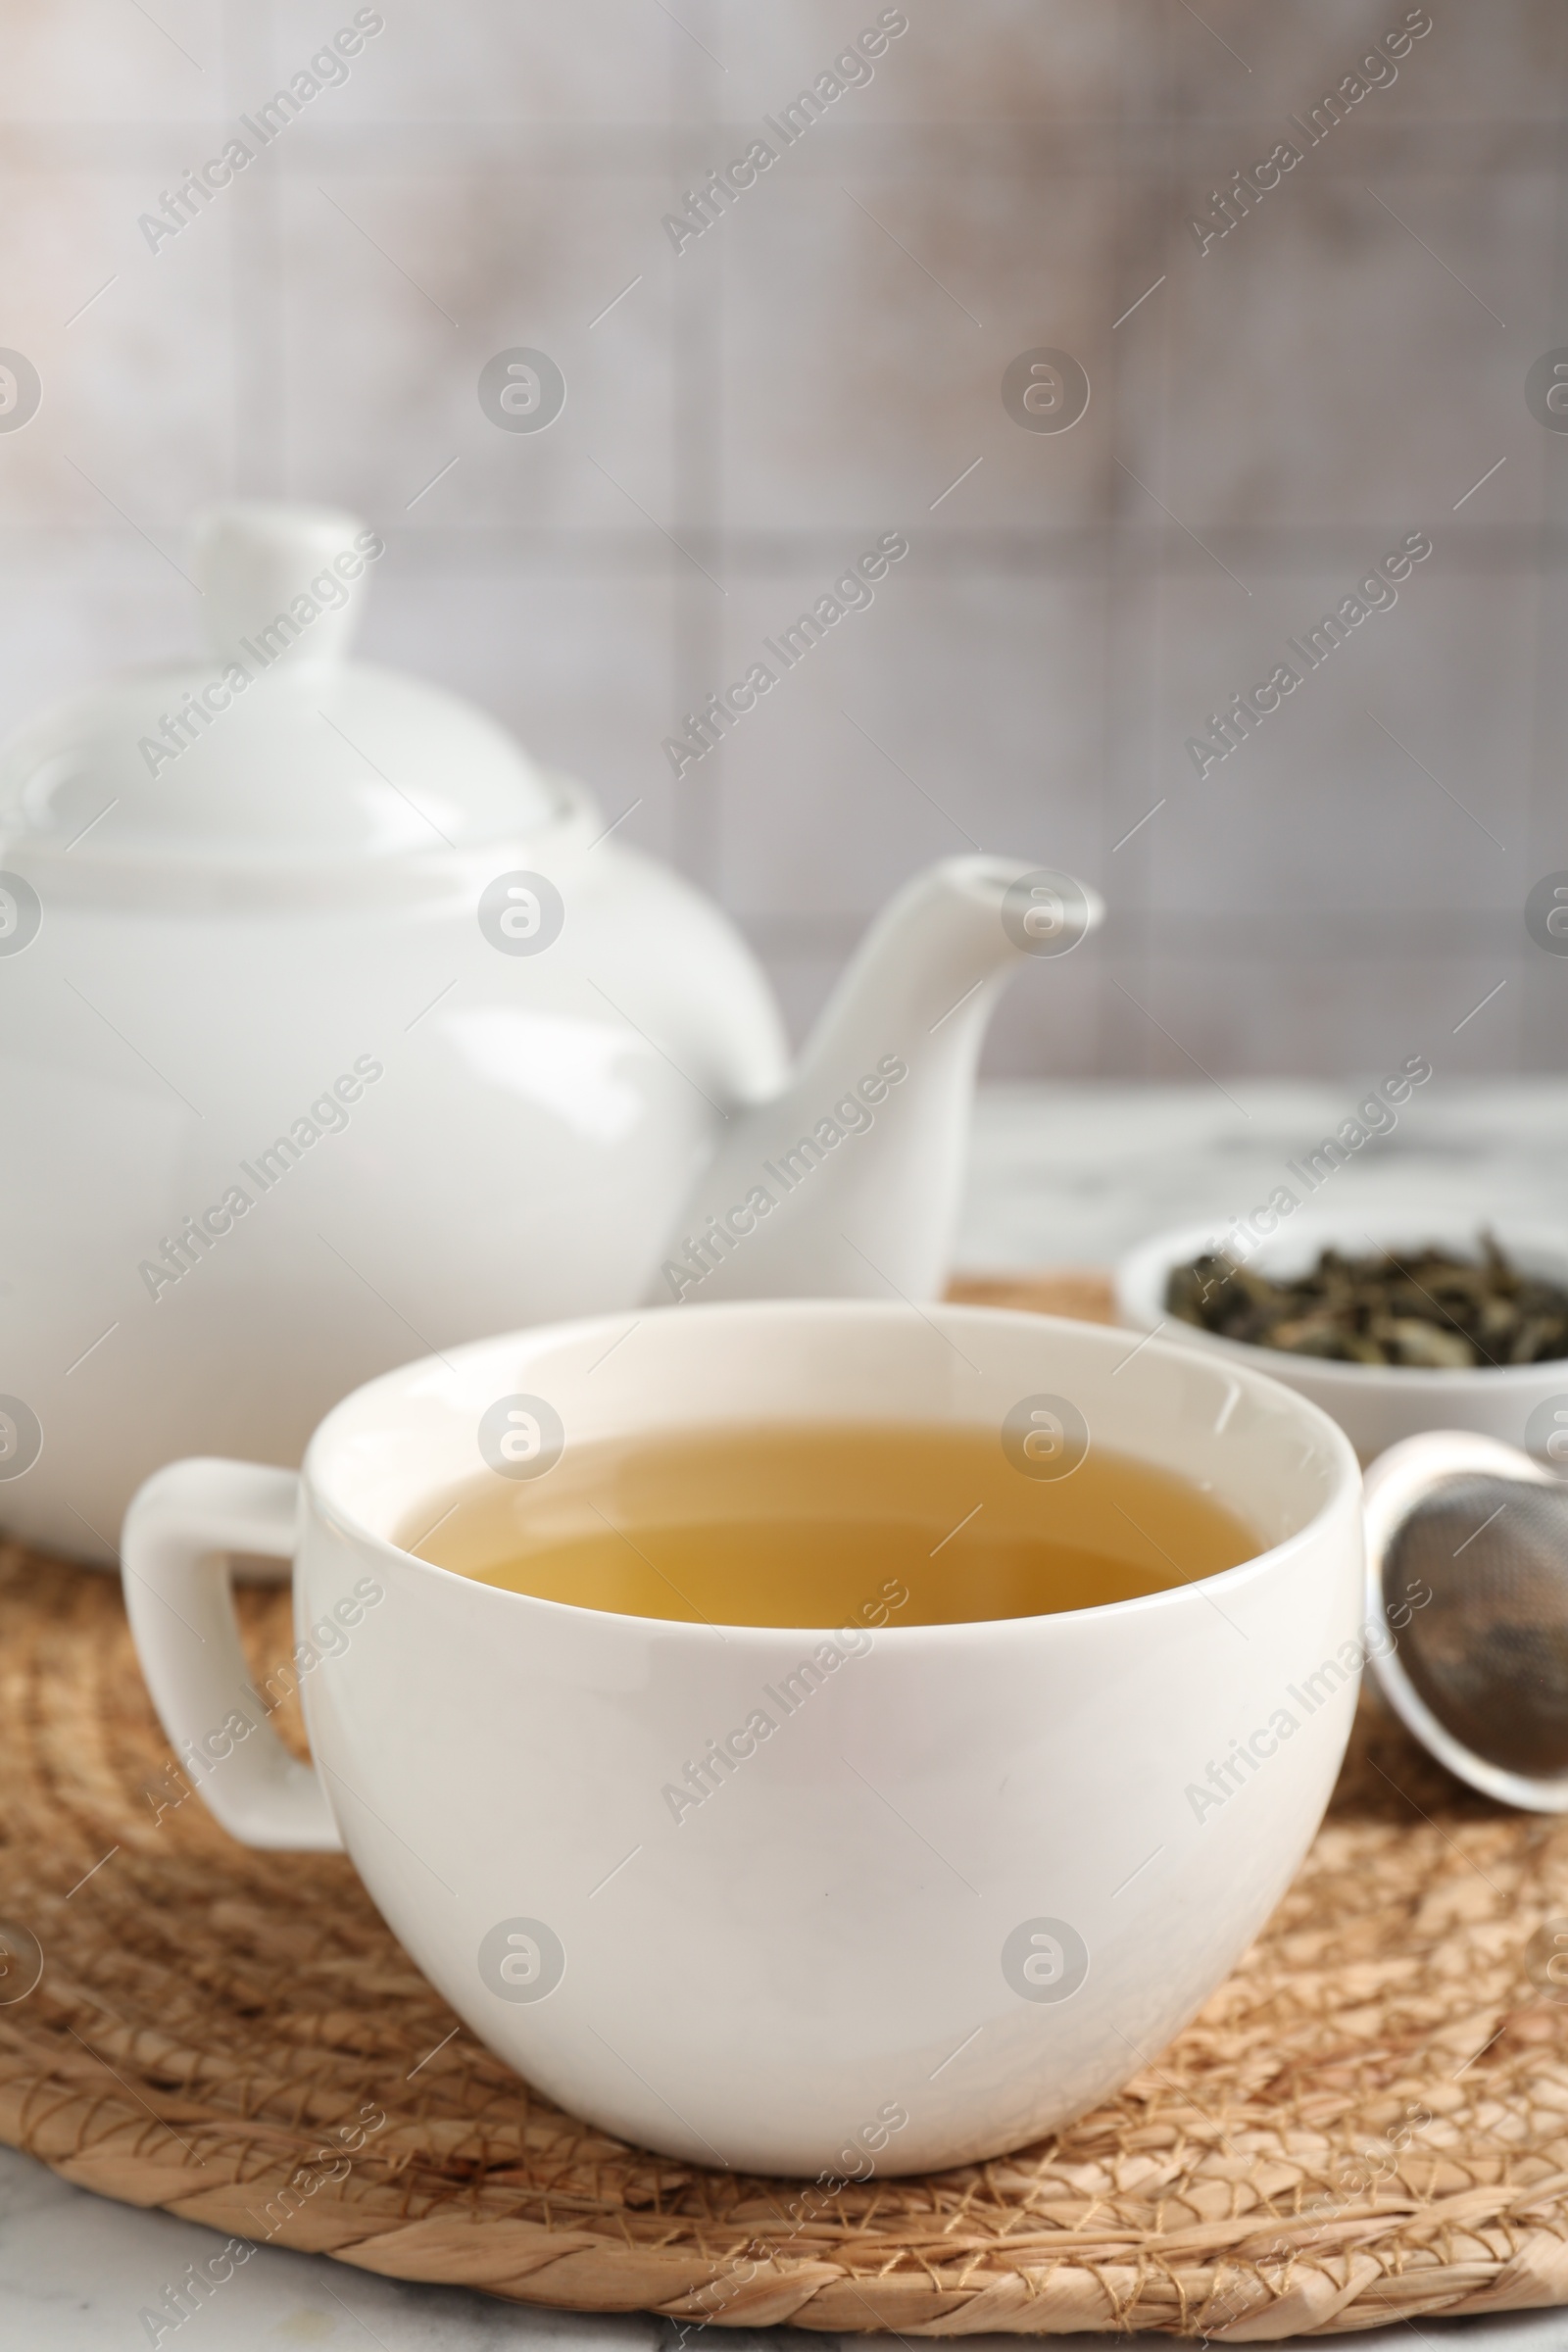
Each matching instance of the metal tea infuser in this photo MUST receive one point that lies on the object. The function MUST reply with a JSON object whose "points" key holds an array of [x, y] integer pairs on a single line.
{"points": [[1467, 1609]]}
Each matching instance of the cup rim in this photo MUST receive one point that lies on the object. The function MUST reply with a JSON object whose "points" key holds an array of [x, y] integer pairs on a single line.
{"points": [[587, 1329]]}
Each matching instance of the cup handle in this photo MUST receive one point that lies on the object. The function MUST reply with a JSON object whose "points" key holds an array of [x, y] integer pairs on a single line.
{"points": [[177, 1596]]}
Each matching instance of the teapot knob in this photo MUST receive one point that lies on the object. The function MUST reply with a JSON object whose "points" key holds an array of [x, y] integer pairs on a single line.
{"points": [[280, 580]]}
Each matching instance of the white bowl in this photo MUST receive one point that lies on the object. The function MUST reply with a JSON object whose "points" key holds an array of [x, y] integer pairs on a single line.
{"points": [[1375, 1405]]}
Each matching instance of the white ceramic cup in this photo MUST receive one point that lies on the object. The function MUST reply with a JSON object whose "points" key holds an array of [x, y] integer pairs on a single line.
{"points": [[975, 1877]]}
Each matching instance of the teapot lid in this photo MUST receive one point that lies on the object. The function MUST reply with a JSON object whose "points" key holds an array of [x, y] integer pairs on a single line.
{"points": [[277, 752]]}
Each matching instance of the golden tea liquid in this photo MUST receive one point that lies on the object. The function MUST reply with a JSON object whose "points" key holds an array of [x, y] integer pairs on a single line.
{"points": [[801, 1525]]}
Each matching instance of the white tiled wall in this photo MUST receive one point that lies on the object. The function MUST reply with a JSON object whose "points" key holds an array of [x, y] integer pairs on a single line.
{"points": [[818, 369]]}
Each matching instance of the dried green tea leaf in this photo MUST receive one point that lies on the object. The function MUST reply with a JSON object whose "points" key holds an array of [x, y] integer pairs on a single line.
{"points": [[1421, 1310]]}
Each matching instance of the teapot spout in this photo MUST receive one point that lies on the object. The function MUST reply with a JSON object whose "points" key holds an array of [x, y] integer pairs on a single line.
{"points": [[847, 1183]]}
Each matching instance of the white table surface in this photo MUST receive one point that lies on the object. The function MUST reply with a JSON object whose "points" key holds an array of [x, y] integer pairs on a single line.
{"points": [[1059, 1175]]}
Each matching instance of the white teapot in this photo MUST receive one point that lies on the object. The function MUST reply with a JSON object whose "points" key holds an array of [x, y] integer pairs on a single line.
{"points": [[333, 1031]]}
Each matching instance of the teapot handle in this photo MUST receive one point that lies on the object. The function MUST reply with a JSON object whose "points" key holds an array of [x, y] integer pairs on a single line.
{"points": [[182, 1610]]}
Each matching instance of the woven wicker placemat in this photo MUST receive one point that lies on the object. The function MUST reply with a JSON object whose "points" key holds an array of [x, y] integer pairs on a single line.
{"points": [[1369, 2121]]}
